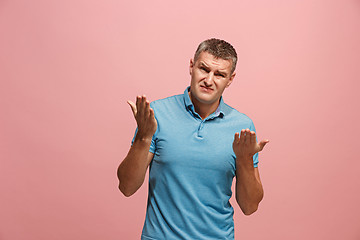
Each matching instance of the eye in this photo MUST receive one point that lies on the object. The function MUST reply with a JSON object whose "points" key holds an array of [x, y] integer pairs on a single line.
{"points": [[204, 69]]}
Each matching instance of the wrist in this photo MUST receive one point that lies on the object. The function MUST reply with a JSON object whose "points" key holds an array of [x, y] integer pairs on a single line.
{"points": [[142, 139], [245, 162]]}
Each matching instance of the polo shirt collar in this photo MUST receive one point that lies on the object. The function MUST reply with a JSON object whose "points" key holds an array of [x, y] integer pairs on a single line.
{"points": [[219, 112]]}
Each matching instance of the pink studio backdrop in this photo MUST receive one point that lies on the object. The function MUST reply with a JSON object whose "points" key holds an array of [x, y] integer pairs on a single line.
{"points": [[68, 67]]}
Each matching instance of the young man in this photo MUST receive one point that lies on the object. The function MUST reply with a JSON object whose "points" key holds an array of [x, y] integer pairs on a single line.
{"points": [[192, 146]]}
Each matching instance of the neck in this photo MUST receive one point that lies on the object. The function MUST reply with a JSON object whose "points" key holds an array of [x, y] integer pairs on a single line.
{"points": [[203, 109]]}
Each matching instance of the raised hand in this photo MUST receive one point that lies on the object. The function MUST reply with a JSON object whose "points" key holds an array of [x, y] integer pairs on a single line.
{"points": [[144, 116], [245, 144]]}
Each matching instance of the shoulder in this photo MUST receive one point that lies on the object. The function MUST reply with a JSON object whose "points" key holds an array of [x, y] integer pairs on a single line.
{"points": [[168, 104], [236, 116], [168, 100]]}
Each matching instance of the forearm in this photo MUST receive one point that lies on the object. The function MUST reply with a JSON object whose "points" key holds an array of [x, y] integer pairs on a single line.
{"points": [[132, 170], [249, 190]]}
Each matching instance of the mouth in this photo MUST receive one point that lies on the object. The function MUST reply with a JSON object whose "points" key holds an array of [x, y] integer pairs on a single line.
{"points": [[206, 89]]}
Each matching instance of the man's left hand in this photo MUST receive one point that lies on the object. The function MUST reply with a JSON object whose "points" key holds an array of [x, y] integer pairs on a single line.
{"points": [[245, 144]]}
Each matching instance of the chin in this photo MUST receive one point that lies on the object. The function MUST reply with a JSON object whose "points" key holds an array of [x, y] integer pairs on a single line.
{"points": [[204, 97], [206, 100]]}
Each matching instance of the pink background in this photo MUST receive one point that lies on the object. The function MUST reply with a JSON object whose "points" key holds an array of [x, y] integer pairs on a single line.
{"points": [[67, 68]]}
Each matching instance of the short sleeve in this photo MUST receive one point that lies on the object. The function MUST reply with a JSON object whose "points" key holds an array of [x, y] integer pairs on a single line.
{"points": [[256, 155]]}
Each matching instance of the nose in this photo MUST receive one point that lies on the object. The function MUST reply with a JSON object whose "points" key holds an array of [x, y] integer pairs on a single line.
{"points": [[209, 79]]}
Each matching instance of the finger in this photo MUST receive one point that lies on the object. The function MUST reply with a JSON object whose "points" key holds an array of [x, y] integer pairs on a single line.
{"points": [[242, 136], [143, 101], [152, 115], [236, 137], [263, 143], [147, 108], [138, 102], [133, 107], [252, 137], [247, 135], [143, 106]]}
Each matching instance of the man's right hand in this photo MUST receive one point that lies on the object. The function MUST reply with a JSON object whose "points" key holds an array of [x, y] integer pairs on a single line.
{"points": [[132, 170], [144, 116]]}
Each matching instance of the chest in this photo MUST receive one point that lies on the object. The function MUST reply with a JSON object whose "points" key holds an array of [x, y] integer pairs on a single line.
{"points": [[195, 144]]}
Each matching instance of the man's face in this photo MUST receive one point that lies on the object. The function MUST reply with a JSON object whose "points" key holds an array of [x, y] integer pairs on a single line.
{"points": [[209, 78]]}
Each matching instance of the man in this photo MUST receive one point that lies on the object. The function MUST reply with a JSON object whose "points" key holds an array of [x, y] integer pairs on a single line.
{"points": [[192, 145]]}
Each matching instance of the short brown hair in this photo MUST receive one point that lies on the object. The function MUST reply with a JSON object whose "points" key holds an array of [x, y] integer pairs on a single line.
{"points": [[219, 49]]}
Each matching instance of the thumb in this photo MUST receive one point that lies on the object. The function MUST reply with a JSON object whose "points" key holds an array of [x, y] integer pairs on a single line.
{"points": [[133, 107], [262, 144]]}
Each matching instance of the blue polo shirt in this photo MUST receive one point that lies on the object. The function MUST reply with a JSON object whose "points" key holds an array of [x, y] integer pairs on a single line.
{"points": [[191, 174]]}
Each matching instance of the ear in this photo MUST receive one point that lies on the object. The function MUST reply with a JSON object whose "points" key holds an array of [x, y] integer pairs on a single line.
{"points": [[231, 79], [191, 66]]}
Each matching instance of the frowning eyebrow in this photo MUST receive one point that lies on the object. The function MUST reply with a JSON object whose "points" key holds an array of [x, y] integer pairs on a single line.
{"points": [[222, 73], [203, 65]]}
